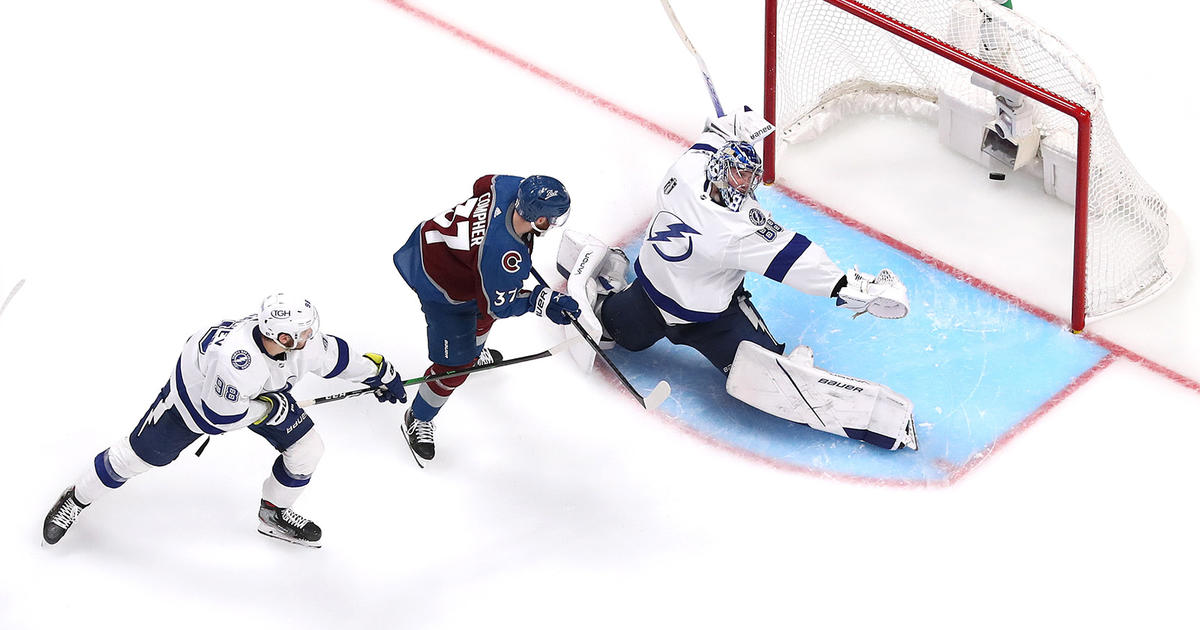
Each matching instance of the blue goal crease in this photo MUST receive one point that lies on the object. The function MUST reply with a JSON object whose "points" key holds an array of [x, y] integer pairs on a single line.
{"points": [[974, 365]]}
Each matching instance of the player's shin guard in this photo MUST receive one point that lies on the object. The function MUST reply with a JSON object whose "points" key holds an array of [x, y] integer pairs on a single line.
{"points": [[292, 470], [110, 470]]}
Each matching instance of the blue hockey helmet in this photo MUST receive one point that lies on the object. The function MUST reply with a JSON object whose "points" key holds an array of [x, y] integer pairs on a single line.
{"points": [[542, 196], [735, 165]]}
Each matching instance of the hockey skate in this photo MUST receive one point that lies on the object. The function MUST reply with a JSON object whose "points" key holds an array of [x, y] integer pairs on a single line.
{"points": [[487, 356], [61, 517], [419, 435], [286, 525]]}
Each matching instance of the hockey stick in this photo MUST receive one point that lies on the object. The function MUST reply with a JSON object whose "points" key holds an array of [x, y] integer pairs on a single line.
{"points": [[437, 377], [653, 400], [712, 91]]}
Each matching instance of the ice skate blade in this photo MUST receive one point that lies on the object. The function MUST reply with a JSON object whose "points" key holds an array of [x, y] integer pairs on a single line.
{"points": [[267, 530]]}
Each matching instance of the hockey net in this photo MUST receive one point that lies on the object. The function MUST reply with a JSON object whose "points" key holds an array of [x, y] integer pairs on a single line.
{"points": [[827, 59]]}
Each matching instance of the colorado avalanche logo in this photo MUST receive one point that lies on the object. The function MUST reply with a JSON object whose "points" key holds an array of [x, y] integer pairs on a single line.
{"points": [[511, 261], [670, 237], [240, 360]]}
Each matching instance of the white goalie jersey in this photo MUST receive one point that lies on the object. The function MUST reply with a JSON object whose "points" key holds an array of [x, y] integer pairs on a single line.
{"points": [[222, 369], [697, 252]]}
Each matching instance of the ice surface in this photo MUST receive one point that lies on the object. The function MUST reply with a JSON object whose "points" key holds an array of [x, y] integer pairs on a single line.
{"points": [[164, 165]]}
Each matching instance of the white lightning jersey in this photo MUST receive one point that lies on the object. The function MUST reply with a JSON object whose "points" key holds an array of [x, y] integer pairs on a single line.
{"points": [[697, 252], [222, 370]]}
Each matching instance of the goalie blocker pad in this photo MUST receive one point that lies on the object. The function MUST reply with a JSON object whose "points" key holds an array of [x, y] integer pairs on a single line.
{"points": [[793, 388], [591, 271]]}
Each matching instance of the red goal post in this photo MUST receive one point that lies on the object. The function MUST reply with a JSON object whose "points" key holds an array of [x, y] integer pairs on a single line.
{"points": [[1038, 67]]}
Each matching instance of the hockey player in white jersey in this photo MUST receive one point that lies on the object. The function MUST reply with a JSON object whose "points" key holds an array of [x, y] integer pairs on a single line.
{"points": [[237, 374], [707, 232]]}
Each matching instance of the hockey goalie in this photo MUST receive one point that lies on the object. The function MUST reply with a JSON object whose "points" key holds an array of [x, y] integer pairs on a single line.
{"points": [[707, 232]]}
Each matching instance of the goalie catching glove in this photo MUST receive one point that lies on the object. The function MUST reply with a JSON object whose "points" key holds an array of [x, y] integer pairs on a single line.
{"points": [[882, 295], [559, 308], [388, 386]]}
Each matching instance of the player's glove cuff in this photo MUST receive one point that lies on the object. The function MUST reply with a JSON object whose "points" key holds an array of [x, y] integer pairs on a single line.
{"points": [[559, 308], [387, 383]]}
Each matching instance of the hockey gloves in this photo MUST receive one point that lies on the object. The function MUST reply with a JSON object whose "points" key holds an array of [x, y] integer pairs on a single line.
{"points": [[882, 295], [388, 386], [280, 407], [559, 308]]}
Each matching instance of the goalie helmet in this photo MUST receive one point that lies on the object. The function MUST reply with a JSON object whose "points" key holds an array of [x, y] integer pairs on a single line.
{"points": [[736, 170], [541, 196], [282, 313]]}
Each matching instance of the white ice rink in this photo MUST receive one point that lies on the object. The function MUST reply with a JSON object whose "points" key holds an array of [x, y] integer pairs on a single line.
{"points": [[164, 165]]}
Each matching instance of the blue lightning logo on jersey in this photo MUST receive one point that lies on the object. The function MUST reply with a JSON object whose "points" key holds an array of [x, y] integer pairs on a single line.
{"points": [[672, 232], [675, 230]]}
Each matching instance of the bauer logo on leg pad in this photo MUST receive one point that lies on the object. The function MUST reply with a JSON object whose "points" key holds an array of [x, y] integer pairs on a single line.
{"points": [[853, 388]]}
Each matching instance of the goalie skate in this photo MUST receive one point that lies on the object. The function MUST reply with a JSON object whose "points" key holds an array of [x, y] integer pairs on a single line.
{"points": [[794, 389]]}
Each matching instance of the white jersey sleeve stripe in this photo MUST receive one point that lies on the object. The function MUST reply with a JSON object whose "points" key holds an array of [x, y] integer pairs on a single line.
{"points": [[343, 357], [215, 418]]}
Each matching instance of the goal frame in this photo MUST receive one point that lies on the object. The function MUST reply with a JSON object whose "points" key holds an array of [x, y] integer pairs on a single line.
{"points": [[1083, 118]]}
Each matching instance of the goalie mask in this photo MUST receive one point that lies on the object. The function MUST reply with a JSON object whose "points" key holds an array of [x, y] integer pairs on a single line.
{"points": [[541, 196], [736, 170], [282, 313]]}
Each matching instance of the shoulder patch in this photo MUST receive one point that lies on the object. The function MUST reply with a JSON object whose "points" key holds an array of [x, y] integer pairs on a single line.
{"points": [[757, 217], [511, 261], [240, 360], [670, 185]]}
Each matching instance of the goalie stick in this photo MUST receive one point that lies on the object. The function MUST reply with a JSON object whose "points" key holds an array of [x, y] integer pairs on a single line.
{"points": [[651, 401], [437, 377], [712, 91]]}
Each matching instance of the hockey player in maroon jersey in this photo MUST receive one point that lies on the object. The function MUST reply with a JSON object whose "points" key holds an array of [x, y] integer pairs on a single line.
{"points": [[468, 267]]}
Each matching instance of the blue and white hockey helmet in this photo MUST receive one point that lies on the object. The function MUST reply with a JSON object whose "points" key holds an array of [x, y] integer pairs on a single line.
{"points": [[736, 165], [285, 314], [542, 196]]}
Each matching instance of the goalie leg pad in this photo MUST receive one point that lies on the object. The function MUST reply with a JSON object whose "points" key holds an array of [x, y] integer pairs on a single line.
{"points": [[792, 388]]}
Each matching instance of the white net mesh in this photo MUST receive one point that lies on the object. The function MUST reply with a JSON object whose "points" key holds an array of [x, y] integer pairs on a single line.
{"points": [[832, 63]]}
